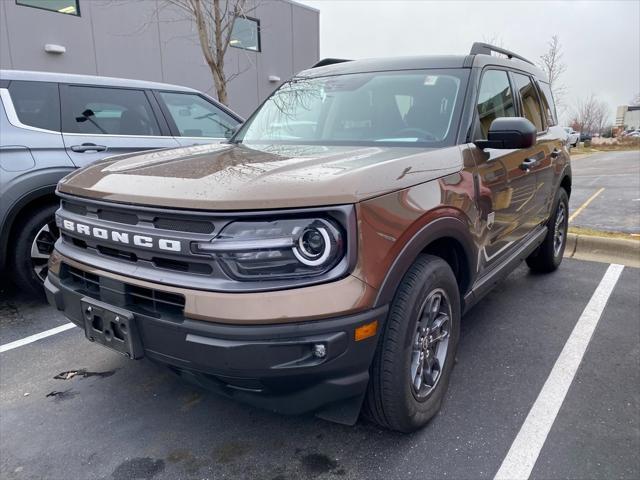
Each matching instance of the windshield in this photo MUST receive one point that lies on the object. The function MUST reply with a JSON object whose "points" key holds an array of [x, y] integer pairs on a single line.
{"points": [[416, 107]]}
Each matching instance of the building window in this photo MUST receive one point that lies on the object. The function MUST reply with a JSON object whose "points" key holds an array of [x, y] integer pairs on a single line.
{"points": [[70, 7], [246, 34]]}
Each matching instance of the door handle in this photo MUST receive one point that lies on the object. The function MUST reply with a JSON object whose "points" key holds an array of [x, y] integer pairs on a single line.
{"points": [[88, 147], [528, 164]]}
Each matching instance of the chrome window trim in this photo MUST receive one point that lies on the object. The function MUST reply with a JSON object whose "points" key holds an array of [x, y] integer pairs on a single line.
{"points": [[219, 139], [110, 135], [12, 115]]}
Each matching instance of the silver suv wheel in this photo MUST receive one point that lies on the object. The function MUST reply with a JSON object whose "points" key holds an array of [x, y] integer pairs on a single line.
{"points": [[41, 248]]}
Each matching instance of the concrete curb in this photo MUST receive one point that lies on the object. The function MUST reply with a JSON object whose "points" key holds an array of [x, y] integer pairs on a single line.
{"points": [[603, 249]]}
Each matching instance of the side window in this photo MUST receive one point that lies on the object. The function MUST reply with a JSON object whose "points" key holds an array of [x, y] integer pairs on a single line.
{"points": [[37, 104], [107, 111], [530, 103], [495, 99], [548, 104], [196, 117]]}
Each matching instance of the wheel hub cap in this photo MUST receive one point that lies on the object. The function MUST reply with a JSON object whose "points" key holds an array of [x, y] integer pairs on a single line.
{"points": [[41, 249], [559, 232], [431, 343]]}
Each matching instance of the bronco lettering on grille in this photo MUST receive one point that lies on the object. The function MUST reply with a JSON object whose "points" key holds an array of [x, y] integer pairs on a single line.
{"points": [[123, 237]]}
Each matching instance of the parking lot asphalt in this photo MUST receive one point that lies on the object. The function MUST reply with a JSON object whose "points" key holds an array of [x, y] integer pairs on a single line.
{"points": [[123, 419], [613, 180]]}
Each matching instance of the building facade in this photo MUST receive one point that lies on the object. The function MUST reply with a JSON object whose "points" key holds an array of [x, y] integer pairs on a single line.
{"points": [[628, 117], [154, 40]]}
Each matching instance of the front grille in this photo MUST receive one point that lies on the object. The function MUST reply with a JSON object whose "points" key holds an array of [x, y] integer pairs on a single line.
{"points": [[145, 301], [118, 217], [194, 226], [160, 221]]}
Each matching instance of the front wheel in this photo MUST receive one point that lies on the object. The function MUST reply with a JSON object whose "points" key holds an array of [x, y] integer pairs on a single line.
{"points": [[411, 369], [32, 248], [548, 256]]}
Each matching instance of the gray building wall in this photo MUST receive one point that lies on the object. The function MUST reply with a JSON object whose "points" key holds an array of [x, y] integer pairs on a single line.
{"points": [[151, 40]]}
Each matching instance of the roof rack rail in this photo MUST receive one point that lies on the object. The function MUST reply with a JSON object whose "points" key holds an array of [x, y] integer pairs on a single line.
{"points": [[479, 48], [329, 61]]}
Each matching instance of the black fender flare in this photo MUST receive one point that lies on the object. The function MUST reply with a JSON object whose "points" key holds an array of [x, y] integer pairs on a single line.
{"points": [[444, 227]]}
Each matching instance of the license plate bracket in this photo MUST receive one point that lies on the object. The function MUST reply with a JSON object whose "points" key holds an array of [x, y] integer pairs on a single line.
{"points": [[111, 327]]}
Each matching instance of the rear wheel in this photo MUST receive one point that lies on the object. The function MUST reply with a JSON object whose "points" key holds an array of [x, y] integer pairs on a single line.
{"points": [[33, 245], [548, 256], [415, 356]]}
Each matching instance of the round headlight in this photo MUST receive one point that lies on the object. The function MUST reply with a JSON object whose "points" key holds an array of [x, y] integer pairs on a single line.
{"points": [[313, 246]]}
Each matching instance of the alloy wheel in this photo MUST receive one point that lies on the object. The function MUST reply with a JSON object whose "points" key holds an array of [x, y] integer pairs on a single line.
{"points": [[430, 344], [559, 234], [41, 249]]}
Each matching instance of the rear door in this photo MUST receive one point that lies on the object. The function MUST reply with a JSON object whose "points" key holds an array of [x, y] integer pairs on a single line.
{"points": [[507, 191], [546, 149], [194, 119], [549, 177], [98, 122]]}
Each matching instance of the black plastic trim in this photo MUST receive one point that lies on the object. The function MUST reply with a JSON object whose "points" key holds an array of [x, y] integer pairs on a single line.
{"points": [[485, 284], [440, 228], [269, 366]]}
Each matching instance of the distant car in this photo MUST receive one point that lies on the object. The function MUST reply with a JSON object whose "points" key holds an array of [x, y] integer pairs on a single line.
{"points": [[585, 137], [633, 133], [573, 137], [51, 124]]}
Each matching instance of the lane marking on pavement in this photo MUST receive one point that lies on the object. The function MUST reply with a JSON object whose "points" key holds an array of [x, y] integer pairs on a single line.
{"points": [[34, 338], [585, 204], [587, 175], [527, 445]]}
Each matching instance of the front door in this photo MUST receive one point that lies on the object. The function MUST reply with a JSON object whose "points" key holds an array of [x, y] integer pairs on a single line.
{"points": [[99, 122], [507, 188]]}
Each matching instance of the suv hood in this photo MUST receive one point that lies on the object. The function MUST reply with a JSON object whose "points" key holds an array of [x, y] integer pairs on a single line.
{"points": [[239, 177]]}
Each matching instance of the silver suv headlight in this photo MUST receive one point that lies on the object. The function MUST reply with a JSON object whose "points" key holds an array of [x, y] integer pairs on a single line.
{"points": [[278, 249]]}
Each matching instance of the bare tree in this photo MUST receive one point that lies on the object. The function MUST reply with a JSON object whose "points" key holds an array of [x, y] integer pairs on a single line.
{"points": [[552, 64], [214, 21], [591, 115], [636, 100]]}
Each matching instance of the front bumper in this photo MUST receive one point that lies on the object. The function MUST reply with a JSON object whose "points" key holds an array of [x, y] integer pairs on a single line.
{"points": [[269, 366]]}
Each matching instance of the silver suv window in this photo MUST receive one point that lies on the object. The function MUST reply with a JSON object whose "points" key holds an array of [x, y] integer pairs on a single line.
{"points": [[195, 117], [110, 111], [37, 104]]}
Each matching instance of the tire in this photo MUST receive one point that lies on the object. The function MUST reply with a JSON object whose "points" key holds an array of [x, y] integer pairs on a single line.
{"points": [[30, 267], [393, 400], [548, 255]]}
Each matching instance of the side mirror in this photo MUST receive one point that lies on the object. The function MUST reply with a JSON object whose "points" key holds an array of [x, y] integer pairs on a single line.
{"points": [[510, 133]]}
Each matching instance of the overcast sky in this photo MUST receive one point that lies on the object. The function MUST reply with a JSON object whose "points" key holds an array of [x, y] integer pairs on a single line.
{"points": [[600, 39]]}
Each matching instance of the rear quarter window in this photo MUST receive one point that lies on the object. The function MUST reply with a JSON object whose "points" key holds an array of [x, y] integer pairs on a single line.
{"points": [[37, 104]]}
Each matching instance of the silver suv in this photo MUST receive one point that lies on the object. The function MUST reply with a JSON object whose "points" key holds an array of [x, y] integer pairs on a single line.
{"points": [[51, 124]]}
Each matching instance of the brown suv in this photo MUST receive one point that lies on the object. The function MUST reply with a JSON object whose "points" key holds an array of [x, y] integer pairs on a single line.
{"points": [[321, 260]]}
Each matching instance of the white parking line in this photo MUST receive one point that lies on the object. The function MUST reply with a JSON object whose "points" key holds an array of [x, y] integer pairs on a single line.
{"points": [[35, 338], [526, 447]]}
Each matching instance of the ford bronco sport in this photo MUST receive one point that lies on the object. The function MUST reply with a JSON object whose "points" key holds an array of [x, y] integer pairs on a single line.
{"points": [[321, 260]]}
